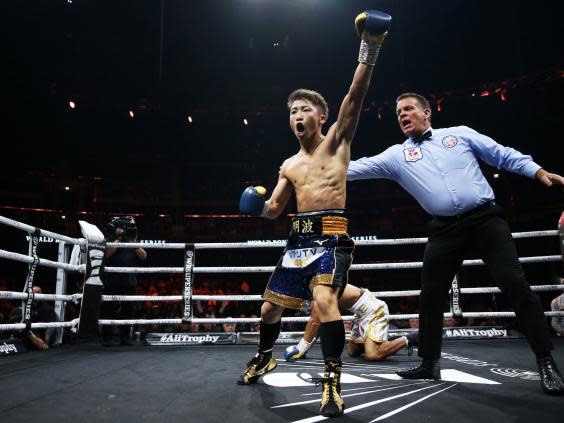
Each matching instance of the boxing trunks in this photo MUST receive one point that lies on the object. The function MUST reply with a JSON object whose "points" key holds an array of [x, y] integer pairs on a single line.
{"points": [[318, 252], [373, 326]]}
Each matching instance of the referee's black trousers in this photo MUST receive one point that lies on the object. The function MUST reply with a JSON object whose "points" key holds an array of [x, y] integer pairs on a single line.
{"points": [[487, 233]]}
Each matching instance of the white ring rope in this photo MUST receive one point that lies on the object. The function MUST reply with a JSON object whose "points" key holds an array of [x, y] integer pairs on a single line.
{"points": [[282, 243], [243, 269], [270, 269], [42, 325], [304, 319], [239, 320], [133, 298], [381, 294], [42, 297], [248, 269], [42, 262], [30, 229], [300, 319]]}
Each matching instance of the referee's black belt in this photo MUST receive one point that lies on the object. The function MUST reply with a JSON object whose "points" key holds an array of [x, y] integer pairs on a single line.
{"points": [[475, 210]]}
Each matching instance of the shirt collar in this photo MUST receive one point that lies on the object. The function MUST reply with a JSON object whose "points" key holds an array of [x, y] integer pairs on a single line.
{"points": [[424, 136]]}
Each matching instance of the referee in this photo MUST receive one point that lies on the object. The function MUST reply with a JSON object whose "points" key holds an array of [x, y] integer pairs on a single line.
{"points": [[440, 168]]}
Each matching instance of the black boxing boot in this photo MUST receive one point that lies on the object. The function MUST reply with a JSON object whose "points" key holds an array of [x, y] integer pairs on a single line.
{"points": [[332, 404], [262, 363]]}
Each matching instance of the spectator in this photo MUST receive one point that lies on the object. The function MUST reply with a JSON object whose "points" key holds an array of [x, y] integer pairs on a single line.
{"points": [[44, 311], [229, 327], [29, 338], [120, 229]]}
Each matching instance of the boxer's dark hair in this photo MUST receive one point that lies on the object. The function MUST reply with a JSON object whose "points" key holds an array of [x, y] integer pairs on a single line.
{"points": [[312, 96]]}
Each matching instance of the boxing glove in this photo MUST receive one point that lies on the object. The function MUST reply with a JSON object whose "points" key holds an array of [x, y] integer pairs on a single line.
{"points": [[295, 352], [292, 353], [252, 201], [413, 338], [372, 26]]}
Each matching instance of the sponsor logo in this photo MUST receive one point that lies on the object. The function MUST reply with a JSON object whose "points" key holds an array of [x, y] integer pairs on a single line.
{"points": [[450, 141], [518, 373], [283, 242], [8, 348], [189, 339], [476, 333], [267, 241], [455, 298], [115, 297], [302, 257], [44, 239], [413, 154], [365, 238], [467, 360], [188, 272], [30, 278]]}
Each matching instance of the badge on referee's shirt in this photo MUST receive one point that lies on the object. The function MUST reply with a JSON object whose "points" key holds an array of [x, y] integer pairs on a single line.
{"points": [[413, 154], [450, 141]]}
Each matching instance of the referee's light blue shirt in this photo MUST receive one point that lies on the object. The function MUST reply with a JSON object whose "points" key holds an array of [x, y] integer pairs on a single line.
{"points": [[443, 173]]}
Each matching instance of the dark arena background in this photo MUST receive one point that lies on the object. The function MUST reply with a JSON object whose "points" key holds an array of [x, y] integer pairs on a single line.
{"points": [[166, 110]]}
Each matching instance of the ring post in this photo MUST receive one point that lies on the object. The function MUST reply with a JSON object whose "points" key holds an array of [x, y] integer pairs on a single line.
{"points": [[93, 286]]}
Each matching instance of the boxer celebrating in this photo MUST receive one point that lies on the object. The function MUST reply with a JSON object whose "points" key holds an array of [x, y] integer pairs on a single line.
{"points": [[319, 251]]}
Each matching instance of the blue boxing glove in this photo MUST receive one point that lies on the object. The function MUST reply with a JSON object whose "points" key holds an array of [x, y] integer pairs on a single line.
{"points": [[372, 26], [252, 201], [292, 353], [295, 352]]}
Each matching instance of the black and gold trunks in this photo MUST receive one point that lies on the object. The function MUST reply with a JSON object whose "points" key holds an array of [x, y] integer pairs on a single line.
{"points": [[318, 252]]}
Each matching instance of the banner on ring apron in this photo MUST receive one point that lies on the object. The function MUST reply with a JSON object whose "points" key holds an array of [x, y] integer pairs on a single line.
{"points": [[12, 346], [480, 332], [199, 338]]}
